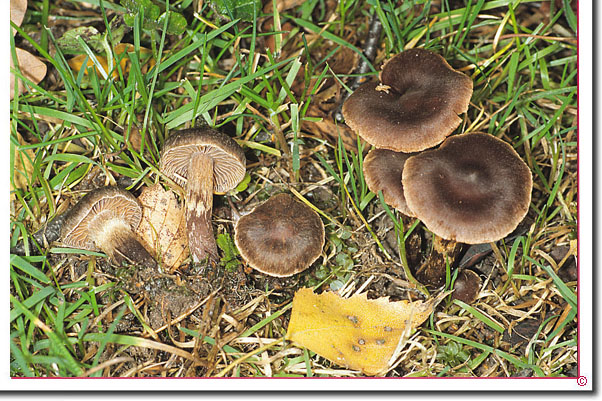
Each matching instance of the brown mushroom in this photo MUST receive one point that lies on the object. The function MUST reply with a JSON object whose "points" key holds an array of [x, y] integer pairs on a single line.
{"points": [[415, 106], [105, 219], [467, 286], [473, 189], [383, 171], [202, 161], [281, 237]]}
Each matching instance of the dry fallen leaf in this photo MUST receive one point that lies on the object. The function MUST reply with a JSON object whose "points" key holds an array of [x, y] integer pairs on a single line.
{"points": [[23, 167], [163, 226], [281, 5], [32, 68], [355, 332], [119, 52], [17, 11], [329, 130]]}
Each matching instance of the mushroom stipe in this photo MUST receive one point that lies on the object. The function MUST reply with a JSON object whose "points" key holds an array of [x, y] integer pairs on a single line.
{"points": [[202, 161]]}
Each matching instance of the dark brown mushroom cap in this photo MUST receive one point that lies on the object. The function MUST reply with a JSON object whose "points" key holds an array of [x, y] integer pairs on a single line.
{"points": [[474, 189], [281, 237], [229, 163], [84, 221], [467, 286], [383, 171], [418, 110]]}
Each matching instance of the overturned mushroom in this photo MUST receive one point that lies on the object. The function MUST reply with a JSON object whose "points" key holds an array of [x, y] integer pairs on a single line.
{"points": [[202, 161], [415, 106], [105, 219], [281, 237]]}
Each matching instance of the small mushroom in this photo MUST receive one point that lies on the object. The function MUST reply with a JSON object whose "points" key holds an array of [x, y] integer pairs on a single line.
{"points": [[281, 237], [414, 107], [473, 189], [105, 219], [202, 161], [383, 171], [467, 286]]}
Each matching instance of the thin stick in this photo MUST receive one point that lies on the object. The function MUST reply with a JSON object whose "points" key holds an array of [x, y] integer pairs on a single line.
{"points": [[370, 47]]}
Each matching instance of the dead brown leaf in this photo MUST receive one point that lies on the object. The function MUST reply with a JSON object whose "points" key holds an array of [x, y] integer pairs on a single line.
{"points": [[281, 5], [163, 227], [17, 11], [355, 332], [31, 67], [329, 130]]}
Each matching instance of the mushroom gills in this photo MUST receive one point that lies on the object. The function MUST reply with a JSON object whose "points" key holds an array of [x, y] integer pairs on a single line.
{"points": [[115, 237], [104, 220], [199, 195]]}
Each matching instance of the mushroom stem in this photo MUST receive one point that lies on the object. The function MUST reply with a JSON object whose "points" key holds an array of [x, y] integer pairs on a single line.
{"points": [[199, 202], [432, 271], [117, 240]]}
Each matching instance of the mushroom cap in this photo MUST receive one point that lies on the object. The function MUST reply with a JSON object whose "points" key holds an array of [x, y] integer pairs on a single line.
{"points": [[419, 108], [281, 237], [474, 188], [229, 163], [467, 286], [103, 205], [383, 171]]}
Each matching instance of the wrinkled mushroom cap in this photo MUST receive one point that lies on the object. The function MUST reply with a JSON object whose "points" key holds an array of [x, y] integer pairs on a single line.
{"points": [[108, 204], [474, 189], [229, 163], [281, 237], [383, 171], [418, 110]]}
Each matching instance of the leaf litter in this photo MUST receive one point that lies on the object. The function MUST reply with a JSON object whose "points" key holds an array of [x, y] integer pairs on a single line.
{"points": [[163, 226]]}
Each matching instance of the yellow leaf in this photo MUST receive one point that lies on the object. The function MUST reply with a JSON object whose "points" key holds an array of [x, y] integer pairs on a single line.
{"points": [[163, 226], [356, 332], [32, 68], [119, 52]]}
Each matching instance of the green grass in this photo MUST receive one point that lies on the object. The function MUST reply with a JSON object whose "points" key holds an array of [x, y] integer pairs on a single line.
{"points": [[68, 318]]}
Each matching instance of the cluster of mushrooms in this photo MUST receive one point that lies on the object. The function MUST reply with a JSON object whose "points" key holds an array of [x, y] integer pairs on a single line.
{"points": [[473, 188], [281, 237]]}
